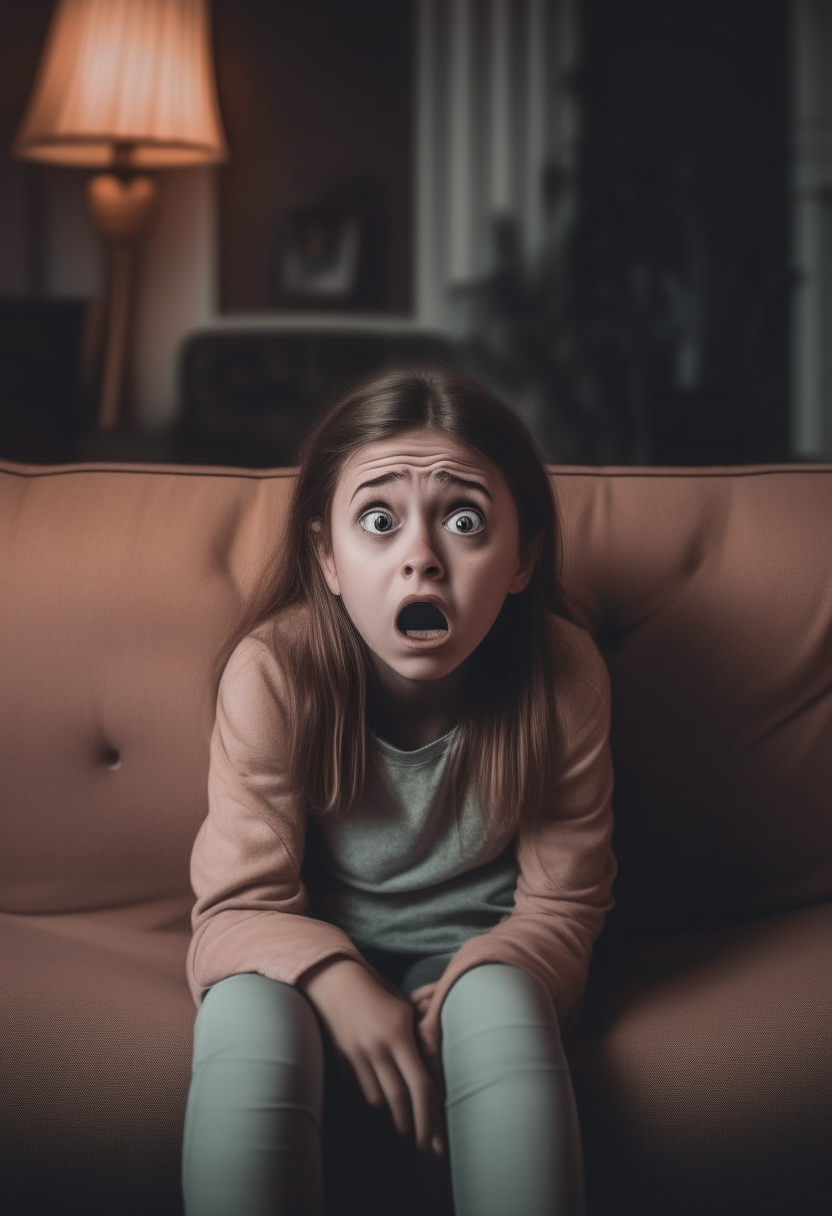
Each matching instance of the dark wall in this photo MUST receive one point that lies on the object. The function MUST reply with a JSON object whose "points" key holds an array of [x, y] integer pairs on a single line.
{"points": [[317, 101], [686, 221], [41, 406], [22, 28]]}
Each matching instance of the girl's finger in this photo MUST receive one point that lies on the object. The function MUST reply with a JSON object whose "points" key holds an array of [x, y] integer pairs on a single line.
{"points": [[396, 1093], [422, 996], [424, 1099], [370, 1087], [420, 1031]]}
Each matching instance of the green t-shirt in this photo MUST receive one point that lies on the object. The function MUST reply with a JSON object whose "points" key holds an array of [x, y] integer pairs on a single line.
{"points": [[402, 872]]}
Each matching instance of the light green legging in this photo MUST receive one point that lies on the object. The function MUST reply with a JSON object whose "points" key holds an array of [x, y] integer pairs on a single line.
{"points": [[253, 1127]]}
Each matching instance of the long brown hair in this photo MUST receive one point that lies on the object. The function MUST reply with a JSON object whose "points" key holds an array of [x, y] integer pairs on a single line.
{"points": [[510, 726]]}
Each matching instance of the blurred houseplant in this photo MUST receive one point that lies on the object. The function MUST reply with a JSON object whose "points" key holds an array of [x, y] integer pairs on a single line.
{"points": [[631, 339]]}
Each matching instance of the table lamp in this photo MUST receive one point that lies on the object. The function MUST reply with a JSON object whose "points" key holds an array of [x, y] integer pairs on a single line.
{"points": [[124, 86]]}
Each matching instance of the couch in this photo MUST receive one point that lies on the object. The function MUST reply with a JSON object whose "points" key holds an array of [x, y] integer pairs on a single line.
{"points": [[703, 1054]]}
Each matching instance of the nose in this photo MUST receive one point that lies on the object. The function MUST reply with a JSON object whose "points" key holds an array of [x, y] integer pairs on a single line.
{"points": [[421, 557]]}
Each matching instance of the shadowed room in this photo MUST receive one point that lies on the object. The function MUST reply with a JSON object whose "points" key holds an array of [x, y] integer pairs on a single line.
{"points": [[613, 211]]}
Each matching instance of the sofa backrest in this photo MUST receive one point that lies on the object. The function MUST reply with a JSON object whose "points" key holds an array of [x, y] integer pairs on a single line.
{"points": [[709, 592], [117, 587], [710, 595]]}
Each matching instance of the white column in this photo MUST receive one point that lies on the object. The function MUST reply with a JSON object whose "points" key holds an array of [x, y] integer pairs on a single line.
{"points": [[535, 125], [426, 280], [500, 192], [177, 288], [461, 149], [811, 390], [491, 105], [563, 40]]}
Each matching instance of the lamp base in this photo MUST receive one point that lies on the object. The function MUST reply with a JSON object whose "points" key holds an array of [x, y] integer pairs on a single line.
{"points": [[122, 209]]}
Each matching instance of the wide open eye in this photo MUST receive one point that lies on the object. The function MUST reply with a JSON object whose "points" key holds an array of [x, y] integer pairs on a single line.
{"points": [[377, 522], [464, 521]]}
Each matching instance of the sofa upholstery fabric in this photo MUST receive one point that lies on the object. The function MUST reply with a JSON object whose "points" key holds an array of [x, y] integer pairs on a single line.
{"points": [[703, 1058], [710, 595], [118, 588]]}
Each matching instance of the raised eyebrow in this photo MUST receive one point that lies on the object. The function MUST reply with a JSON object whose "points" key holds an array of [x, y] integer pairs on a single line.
{"points": [[451, 479], [384, 479], [443, 476]]}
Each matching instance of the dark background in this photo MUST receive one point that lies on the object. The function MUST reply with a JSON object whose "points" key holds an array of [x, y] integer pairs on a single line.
{"points": [[685, 181], [317, 102], [658, 334]]}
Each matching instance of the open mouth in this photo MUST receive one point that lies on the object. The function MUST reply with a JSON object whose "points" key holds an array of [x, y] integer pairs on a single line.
{"points": [[422, 621]]}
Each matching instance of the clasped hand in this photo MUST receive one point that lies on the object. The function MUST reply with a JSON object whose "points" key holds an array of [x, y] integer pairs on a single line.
{"points": [[375, 1031]]}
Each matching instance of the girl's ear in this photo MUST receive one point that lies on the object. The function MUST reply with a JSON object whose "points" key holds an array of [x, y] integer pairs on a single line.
{"points": [[323, 553], [526, 563]]}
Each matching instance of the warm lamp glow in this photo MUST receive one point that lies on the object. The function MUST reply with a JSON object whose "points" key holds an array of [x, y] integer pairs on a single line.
{"points": [[125, 81], [124, 85]]}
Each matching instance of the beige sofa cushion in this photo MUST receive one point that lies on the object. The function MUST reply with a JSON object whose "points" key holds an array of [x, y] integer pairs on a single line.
{"points": [[97, 1030], [710, 593], [117, 589], [703, 1071]]}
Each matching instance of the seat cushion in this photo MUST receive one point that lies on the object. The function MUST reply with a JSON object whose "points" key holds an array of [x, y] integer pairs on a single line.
{"points": [[703, 1071], [97, 1035], [702, 1064]]}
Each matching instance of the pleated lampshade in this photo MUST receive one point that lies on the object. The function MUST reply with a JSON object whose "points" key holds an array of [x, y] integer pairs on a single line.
{"points": [[125, 80]]}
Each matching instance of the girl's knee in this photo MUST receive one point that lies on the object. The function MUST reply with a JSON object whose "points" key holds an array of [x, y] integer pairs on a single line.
{"points": [[250, 1017], [494, 993], [499, 1014], [254, 1116]]}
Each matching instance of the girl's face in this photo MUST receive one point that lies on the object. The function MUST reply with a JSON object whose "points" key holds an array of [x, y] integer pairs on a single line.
{"points": [[422, 519]]}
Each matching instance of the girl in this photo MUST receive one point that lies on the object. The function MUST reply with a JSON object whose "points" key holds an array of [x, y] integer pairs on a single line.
{"points": [[407, 855]]}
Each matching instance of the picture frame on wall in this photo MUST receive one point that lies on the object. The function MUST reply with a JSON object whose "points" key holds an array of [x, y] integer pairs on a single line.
{"points": [[320, 254]]}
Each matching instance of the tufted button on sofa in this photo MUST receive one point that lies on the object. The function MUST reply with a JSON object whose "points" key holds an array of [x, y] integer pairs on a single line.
{"points": [[703, 1055]]}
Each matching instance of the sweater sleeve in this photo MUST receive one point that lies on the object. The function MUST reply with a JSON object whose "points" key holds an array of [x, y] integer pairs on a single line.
{"points": [[251, 903], [564, 855]]}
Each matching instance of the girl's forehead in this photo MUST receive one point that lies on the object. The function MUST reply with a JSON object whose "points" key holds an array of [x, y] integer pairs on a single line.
{"points": [[419, 452]]}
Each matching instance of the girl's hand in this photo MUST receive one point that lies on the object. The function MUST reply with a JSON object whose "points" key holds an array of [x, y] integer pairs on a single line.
{"points": [[373, 1030], [421, 998]]}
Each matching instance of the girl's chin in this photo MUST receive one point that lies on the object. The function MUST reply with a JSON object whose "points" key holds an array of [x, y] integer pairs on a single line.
{"points": [[420, 665]]}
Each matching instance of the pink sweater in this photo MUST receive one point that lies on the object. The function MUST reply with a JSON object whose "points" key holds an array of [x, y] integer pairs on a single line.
{"points": [[250, 913]]}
